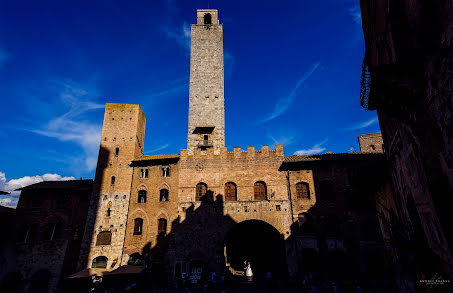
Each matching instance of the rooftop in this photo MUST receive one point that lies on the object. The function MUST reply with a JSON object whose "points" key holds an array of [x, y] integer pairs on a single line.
{"points": [[67, 184], [319, 157], [155, 157]]}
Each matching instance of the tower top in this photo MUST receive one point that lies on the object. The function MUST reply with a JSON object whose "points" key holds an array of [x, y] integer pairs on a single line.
{"points": [[207, 16]]}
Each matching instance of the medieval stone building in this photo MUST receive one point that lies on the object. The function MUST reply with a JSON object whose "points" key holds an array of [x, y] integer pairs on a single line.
{"points": [[40, 245], [210, 209], [408, 78]]}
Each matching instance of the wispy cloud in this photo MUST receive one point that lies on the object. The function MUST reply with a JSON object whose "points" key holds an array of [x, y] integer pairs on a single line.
{"points": [[315, 149], [284, 140], [229, 61], [181, 35], [70, 126], [13, 184], [284, 103], [363, 124], [162, 147], [356, 14], [169, 91]]}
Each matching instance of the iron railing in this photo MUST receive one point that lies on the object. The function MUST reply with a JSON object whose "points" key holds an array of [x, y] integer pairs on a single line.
{"points": [[367, 83]]}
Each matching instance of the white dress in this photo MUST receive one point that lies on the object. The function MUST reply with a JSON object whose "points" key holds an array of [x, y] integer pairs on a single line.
{"points": [[248, 271]]}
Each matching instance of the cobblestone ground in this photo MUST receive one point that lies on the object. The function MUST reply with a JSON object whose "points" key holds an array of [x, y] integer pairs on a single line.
{"points": [[234, 287]]}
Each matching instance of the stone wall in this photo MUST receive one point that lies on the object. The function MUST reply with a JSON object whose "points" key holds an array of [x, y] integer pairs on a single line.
{"points": [[206, 89], [43, 255], [409, 55], [123, 128], [153, 208], [371, 143]]}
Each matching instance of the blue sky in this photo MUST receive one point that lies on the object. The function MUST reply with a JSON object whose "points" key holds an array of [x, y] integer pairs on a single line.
{"points": [[292, 76]]}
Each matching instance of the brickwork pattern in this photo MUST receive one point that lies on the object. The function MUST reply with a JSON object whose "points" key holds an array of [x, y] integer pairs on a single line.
{"points": [[371, 143], [123, 128], [206, 89]]}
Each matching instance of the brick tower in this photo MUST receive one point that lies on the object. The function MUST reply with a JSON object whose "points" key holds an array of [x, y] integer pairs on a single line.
{"points": [[206, 92], [123, 133]]}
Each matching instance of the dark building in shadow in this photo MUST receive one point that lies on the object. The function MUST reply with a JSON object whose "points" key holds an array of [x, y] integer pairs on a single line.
{"points": [[408, 79], [43, 242]]}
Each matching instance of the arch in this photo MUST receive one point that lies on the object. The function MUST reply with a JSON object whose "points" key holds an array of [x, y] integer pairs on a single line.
{"points": [[138, 226], [104, 238], [164, 194], [53, 230], [230, 191], [207, 18], [162, 225], [201, 191], [142, 196], [112, 181], [260, 190], [302, 190], [100, 262], [108, 212], [138, 213], [252, 240], [117, 151], [136, 259]]}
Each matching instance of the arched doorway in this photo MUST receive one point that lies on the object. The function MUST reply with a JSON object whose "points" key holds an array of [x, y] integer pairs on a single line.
{"points": [[259, 243]]}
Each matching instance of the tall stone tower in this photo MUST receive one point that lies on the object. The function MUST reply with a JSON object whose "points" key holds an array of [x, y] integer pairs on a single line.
{"points": [[123, 133], [206, 92]]}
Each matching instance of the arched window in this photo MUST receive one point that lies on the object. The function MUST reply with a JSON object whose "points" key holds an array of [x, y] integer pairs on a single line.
{"points": [[302, 190], [53, 231], [141, 196], [326, 190], [138, 226], [136, 259], [201, 191], [230, 191], [100, 262], [117, 152], [260, 190], [207, 18], [162, 226], [163, 195], [112, 181], [104, 238], [108, 213]]}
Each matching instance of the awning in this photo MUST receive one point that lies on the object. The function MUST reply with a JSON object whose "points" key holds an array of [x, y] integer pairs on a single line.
{"points": [[126, 270], [88, 273]]}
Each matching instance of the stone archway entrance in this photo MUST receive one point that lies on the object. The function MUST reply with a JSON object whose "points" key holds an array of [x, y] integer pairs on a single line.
{"points": [[258, 242]]}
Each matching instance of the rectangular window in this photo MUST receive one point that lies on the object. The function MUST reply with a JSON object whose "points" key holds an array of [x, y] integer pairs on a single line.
{"points": [[28, 232], [278, 208], [144, 173], [165, 171]]}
